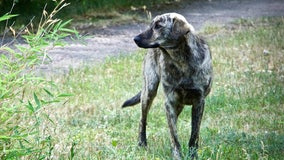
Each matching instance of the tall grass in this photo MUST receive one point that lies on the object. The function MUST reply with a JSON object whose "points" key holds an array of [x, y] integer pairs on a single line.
{"points": [[25, 99], [243, 116]]}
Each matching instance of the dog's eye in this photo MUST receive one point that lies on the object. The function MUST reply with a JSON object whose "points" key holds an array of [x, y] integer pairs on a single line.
{"points": [[158, 26]]}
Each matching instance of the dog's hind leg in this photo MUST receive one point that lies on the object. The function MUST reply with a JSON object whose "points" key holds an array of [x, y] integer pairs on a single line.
{"points": [[149, 91], [197, 112]]}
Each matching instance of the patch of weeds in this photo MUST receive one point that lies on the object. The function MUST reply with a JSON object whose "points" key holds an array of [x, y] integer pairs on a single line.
{"points": [[228, 143], [211, 29]]}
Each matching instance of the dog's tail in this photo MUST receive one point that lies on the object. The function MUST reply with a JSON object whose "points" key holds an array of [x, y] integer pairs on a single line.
{"points": [[132, 101]]}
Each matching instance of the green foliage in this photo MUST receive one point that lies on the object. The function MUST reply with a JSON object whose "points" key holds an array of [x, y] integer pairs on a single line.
{"points": [[29, 9], [25, 98], [7, 16]]}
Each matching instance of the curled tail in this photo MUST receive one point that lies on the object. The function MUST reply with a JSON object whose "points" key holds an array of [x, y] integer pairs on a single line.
{"points": [[132, 101]]}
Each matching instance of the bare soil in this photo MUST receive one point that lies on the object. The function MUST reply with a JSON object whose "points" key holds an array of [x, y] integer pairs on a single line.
{"points": [[117, 40]]}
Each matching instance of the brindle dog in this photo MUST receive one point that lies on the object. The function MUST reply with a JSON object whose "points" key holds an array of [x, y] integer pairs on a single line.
{"points": [[181, 61]]}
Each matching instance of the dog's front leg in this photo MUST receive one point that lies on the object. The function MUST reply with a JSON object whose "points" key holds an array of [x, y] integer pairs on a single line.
{"points": [[197, 112], [149, 91], [147, 98], [172, 111]]}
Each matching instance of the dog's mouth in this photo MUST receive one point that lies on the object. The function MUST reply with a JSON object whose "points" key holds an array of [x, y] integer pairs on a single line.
{"points": [[143, 44]]}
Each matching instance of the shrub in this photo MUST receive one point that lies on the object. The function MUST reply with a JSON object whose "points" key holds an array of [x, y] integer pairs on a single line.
{"points": [[25, 98]]}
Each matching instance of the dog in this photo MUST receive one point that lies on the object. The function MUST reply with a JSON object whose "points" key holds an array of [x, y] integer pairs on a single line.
{"points": [[181, 62]]}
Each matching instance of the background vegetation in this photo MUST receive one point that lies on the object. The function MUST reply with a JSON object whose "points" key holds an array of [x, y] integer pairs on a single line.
{"points": [[78, 115], [88, 10]]}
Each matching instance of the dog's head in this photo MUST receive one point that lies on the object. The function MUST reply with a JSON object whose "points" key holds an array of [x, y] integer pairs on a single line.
{"points": [[165, 31]]}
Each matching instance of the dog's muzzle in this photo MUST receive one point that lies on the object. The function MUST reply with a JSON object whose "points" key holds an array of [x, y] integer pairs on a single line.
{"points": [[137, 40], [142, 43]]}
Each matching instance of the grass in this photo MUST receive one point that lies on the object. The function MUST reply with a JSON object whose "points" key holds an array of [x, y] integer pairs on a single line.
{"points": [[243, 116]]}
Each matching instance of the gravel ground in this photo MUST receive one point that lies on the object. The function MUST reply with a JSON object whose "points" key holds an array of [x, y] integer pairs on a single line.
{"points": [[116, 40]]}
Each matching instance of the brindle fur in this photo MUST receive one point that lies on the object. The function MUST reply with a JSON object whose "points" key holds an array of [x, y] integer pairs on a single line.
{"points": [[181, 61]]}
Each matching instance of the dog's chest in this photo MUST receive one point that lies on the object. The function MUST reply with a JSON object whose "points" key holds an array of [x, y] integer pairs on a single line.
{"points": [[174, 71], [182, 78]]}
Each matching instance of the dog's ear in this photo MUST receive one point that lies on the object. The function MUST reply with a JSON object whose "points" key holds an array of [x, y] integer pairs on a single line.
{"points": [[180, 27]]}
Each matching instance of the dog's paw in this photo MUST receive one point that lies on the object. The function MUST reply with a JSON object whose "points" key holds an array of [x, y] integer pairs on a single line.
{"points": [[142, 143]]}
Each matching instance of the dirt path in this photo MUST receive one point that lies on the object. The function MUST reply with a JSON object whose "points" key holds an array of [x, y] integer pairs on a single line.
{"points": [[116, 40]]}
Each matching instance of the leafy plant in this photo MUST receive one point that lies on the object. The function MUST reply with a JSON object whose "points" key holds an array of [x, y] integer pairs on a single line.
{"points": [[25, 98]]}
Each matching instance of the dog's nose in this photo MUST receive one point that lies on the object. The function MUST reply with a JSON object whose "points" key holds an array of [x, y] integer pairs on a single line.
{"points": [[137, 39]]}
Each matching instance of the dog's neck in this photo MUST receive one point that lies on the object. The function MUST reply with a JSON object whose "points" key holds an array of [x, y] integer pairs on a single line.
{"points": [[177, 54], [180, 47], [188, 49]]}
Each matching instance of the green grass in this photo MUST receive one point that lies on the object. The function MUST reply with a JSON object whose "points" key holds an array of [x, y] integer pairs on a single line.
{"points": [[244, 114]]}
